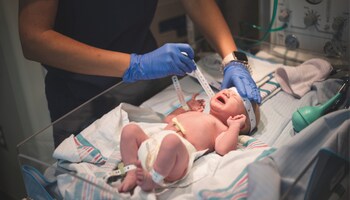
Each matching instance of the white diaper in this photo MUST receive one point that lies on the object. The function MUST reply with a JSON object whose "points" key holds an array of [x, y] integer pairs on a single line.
{"points": [[148, 150]]}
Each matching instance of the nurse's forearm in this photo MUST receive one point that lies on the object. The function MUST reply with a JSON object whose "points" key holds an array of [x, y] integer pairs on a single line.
{"points": [[209, 19], [42, 44], [59, 51]]}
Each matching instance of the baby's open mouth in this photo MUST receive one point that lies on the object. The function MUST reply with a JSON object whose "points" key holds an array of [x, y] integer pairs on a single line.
{"points": [[221, 99]]}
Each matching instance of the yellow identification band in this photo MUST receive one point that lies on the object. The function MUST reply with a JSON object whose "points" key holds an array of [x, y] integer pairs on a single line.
{"points": [[121, 171], [121, 168], [178, 125]]}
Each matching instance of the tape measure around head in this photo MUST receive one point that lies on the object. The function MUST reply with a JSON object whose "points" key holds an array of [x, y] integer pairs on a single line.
{"points": [[249, 108]]}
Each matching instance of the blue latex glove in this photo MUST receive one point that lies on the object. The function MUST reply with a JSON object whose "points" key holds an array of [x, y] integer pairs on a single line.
{"points": [[236, 74], [164, 61]]}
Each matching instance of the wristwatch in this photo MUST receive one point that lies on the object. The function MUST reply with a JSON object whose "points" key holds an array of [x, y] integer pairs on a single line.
{"points": [[236, 56]]}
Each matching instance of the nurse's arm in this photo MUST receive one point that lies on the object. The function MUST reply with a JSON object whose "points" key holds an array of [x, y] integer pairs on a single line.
{"points": [[43, 44]]}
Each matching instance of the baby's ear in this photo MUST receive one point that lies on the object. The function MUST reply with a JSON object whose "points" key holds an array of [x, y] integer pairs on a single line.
{"points": [[243, 127], [245, 130]]}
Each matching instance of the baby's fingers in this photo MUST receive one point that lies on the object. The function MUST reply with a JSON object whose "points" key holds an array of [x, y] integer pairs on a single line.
{"points": [[194, 96], [238, 117]]}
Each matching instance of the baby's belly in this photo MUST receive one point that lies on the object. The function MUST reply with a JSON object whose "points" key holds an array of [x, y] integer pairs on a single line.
{"points": [[200, 139]]}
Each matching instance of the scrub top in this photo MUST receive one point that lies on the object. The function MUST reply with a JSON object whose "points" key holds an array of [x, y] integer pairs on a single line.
{"points": [[117, 25]]}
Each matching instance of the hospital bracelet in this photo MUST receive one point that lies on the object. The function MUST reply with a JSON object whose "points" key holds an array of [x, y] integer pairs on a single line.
{"points": [[156, 177], [185, 107]]}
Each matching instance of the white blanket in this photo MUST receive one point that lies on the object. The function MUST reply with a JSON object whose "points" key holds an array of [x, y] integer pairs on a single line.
{"points": [[95, 151]]}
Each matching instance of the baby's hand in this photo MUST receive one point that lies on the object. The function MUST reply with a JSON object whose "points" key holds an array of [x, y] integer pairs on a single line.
{"points": [[196, 105], [237, 120]]}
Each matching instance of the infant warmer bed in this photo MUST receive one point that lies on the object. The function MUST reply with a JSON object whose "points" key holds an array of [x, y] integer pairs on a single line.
{"points": [[274, 162]]}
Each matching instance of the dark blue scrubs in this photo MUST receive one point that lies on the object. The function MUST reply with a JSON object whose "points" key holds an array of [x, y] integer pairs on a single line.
{"points": [[117, 25]]}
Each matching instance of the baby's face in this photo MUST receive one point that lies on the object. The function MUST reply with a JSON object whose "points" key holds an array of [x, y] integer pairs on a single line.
{"points": [[226, 103]]}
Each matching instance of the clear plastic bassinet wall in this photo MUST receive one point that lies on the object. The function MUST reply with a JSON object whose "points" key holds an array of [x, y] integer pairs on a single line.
{"points": [[35, 154]]}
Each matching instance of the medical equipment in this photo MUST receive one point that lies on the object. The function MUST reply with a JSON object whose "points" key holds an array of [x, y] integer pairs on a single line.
{"points": [[200, 77], [105, 144], [306, 115], [319, 26], [179, 92]]}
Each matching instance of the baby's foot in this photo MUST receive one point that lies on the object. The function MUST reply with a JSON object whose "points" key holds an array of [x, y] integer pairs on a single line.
{"points": [[129, 182], [144, 179]]}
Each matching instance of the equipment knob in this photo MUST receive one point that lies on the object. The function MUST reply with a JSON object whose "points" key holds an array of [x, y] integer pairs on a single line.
{"points": [[338, 23], [291, 42], [284, 15], [310, 18], [333, 48]]}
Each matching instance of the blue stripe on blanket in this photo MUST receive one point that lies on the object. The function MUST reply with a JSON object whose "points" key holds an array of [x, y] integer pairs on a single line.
{"points": [[238, 188], [249, 142], [269, 88], [274, 83], [88, 152], [264, 95]]}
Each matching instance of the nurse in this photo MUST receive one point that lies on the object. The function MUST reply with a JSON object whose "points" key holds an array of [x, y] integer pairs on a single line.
{"points": [[87, 46]]}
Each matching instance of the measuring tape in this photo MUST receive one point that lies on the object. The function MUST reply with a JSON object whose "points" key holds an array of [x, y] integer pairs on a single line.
{"points": [[204, 83], [179, 93], [200, 77]]}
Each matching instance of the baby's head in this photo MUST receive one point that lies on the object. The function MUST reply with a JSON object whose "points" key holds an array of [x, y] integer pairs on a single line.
{"points": [[228, 102]]}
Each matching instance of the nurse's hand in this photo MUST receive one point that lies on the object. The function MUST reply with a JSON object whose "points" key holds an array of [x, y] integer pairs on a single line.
{"points": [[236, 74], [164, 61]]}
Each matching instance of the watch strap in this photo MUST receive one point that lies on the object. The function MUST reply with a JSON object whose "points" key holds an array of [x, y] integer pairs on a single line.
{"points": [[228, 59]]}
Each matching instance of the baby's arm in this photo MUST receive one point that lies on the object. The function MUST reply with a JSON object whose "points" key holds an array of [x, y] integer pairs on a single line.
{"points": [[193, 104], [227, 140]]}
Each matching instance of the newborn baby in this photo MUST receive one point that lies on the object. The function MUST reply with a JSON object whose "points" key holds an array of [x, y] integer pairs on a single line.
{"points": [[166, 157]]}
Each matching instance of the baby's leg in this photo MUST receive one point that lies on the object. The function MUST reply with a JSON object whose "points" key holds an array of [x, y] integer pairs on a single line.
{"points": [[131, 138], [171, 163]]}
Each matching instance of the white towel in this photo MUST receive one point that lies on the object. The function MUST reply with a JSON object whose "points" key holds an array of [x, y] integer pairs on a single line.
{"points": [[297, 80]]}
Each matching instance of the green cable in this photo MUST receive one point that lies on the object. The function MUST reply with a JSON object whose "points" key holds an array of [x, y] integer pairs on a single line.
{"points": [[275, 2], [270, 29]]}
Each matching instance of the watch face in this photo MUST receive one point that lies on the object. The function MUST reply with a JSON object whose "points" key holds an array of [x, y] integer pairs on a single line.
{"points": [[240, 56]]}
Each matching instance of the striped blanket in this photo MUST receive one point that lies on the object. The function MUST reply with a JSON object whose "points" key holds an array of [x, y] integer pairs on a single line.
{"points": [[237, 189], [268, 87]]}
